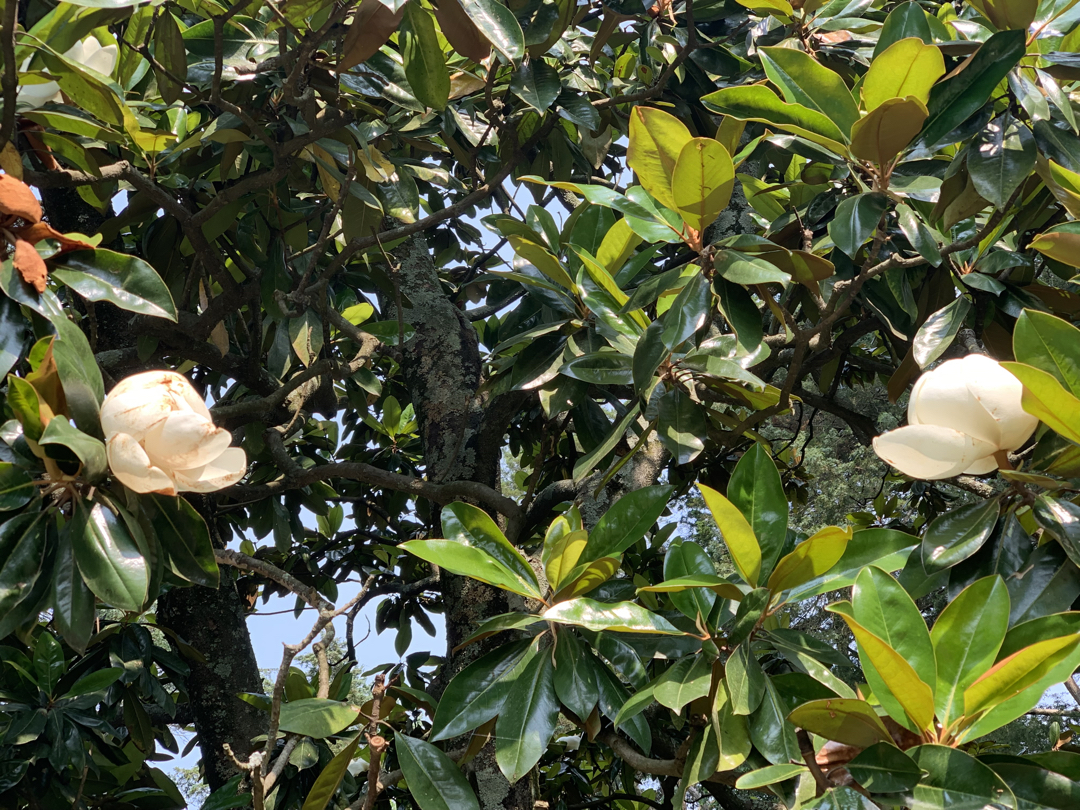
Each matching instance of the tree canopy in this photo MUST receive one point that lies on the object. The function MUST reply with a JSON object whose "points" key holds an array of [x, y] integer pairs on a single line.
{"points": [[288, 283]]}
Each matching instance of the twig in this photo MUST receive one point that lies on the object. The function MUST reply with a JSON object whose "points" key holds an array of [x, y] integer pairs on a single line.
{"points": [[10, 82]]}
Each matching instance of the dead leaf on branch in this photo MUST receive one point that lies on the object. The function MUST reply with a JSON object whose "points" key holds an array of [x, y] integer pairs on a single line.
{"points": [[30, 265], [17, 200]]}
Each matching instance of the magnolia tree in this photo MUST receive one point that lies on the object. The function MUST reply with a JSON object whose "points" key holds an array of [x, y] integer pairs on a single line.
{"points": [[285, 284]]}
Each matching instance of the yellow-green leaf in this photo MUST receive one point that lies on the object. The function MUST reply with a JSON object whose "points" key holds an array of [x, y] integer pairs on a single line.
{"points": [[810, 559], [1045, 398], [1062, 243], [892, 125], [702, 183], [542, 259], [852, 722], [906, 68], [737, 534], [586, 577], [1012, 675], [562, 549], [656, 140]]}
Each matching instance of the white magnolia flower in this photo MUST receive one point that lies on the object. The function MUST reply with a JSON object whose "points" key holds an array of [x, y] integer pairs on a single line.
{"points": [[89, 53], [959, 416], [160, 437]]}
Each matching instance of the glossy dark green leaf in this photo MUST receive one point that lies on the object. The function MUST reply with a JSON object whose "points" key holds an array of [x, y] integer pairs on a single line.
{"points": [[108, 557], [956, 535], [883, 607], [433, 779], [966, 636], [73, 602], [755, 488], [769, 775], [613, 696], [681, 426], [1001, 157], [856, 219], [649, 353], [601, 368], [1036, 788], [625, 617], [90, 451], [22, 548], [843, 798], [1051, 344], [960, 96], [770, 730], [740, 311], [904, 21], [425, 67], [957, 781], [916, 232], [749, 613], [745, 680], [584, 465], [12, 334], [316, 717], [626, 522], [126, 281], [477, 693], [688, 312], [686, 558], [938, 332], [688, 679], [49, 662], [1044, 585], [884, 768], [1003, 554], [499, 25], [526, 723], [170, 53], [536, 83], [185, 538], [575, 676], [16, 487]]}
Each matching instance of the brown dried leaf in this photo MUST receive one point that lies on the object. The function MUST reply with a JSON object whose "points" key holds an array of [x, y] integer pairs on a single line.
{"points": [[43, 230], [16, 199], [371, 27], [832, 37], [11, 161], [30, 265], [461, 32]]}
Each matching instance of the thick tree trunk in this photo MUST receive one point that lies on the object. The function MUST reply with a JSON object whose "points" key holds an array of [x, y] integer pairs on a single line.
{"points": [[462, 439], [213, 622]]}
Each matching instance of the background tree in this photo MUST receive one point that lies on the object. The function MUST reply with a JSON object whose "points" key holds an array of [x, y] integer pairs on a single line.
{"points": [[742, 214]]}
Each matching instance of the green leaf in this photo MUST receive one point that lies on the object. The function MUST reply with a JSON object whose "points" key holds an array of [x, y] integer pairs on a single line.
{"points": [[625, 617], [498, 25], [1059, 517], [770, 730], [1061, 243], [689, 679], [468, 561], [888, 129], [918, 235], [170, 53], [185, 538], [1036, 788], [1012, 675], [563, 546], [90, 451], [97, 681], [49, 663], [1001, 157], [769, 775], [433, 779], [575, 676], [536, 83], [527, 722], [842, 798], [756, 489], [803, 80], [425, 67], [626, 522], [687, 313], [745, 680], [905, 20], [759, 103], [126, 281], [810, 559], [852, 722], [327, 782], [908, 67], [681, 426], [601, 368], [967, 636], [956, 535], [939, 330], [702, 182], [316, 717], [743, 269], [657, 139], [16, 487], [1045, 398], [737, 534], [686, 558], [856, 219], [730, 729], [886, 548], [959, 97], [72, 600], [649, 353], [899, 688], [472, 526], [884, 768], [1050, 344], [587, 576], [108, 557], [476, 694], [584, 465], [955, 780], [882, 606]]}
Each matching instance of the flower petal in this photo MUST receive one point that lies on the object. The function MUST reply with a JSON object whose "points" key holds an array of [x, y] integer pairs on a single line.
{"points": [[224, 471], [999, 392], [930, 452], [133, 469], [943, 397], [137, 402], [982, 466], [184, 440]]}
